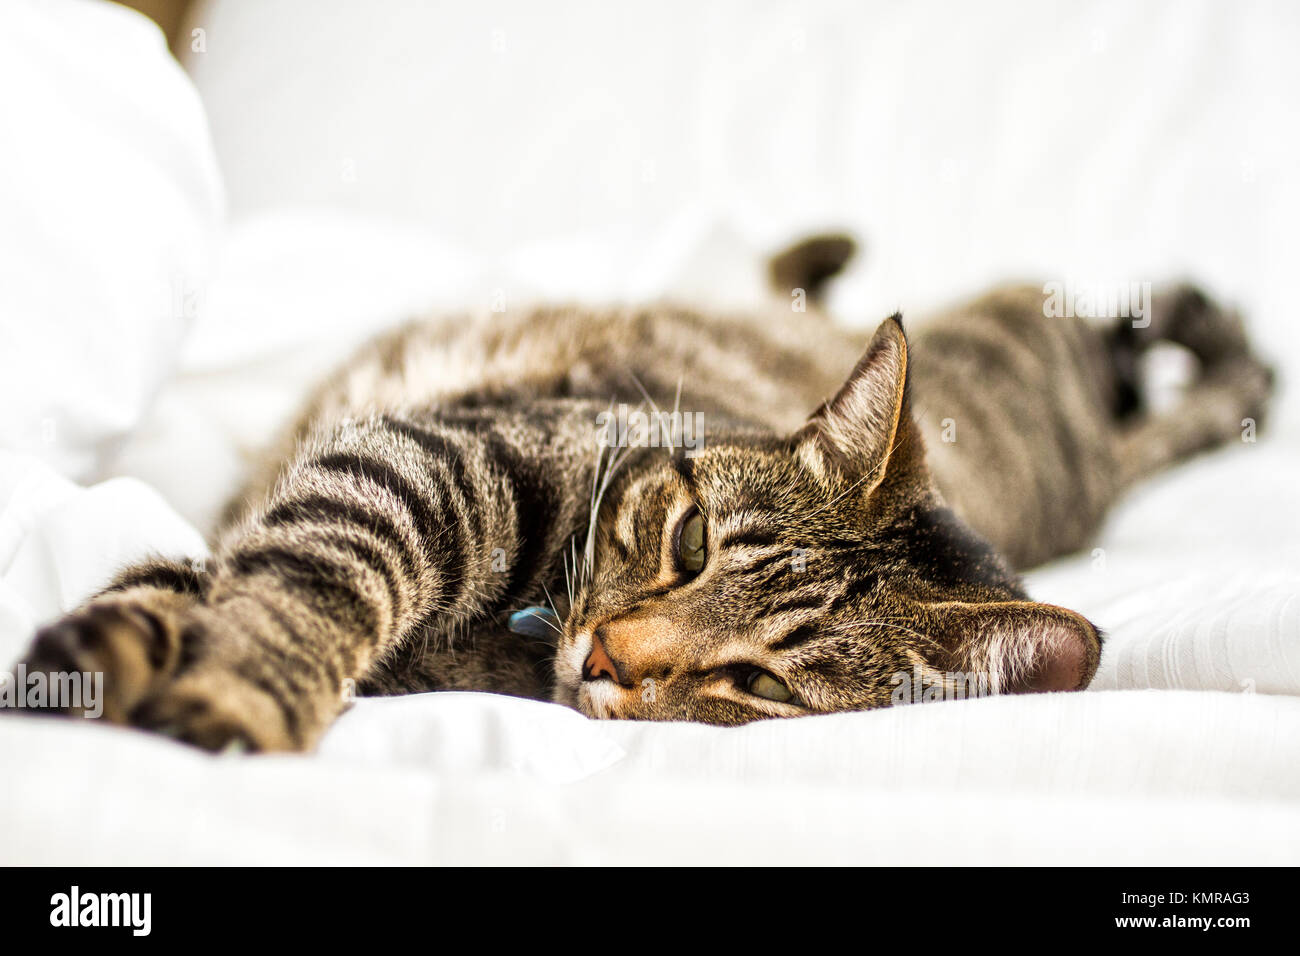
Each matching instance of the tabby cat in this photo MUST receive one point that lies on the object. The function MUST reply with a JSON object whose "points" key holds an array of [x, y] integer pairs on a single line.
{"points": [[456, 473]]}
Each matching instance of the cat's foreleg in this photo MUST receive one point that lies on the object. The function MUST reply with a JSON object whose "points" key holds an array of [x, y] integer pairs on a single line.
{"points": [[130, 632], [383, 529]]}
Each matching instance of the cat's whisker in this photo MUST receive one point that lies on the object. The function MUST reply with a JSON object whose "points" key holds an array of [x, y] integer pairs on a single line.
{"points": [[589, 556], [659, 416], [596, 476], [568, 580], [573, 557], [600, 460], [677, 410], [556, 628]]}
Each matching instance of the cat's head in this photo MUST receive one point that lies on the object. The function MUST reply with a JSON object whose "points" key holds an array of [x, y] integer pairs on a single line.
{"points": [[782, 576]]}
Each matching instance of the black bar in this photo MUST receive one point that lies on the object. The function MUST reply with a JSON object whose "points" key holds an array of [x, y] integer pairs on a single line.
{"points": [[944, 906]]}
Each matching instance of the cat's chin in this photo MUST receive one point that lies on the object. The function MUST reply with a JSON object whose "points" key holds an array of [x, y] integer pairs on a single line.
{"points": [[566, 694], [598, 700]]}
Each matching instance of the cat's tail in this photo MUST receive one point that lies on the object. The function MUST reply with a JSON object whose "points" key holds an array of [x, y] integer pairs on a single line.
{"points": [[808, 266]]}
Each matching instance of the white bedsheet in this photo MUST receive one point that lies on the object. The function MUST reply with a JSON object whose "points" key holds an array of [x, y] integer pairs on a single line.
{"points": [[1108, 778], [1206, 775], [1186, 749]]}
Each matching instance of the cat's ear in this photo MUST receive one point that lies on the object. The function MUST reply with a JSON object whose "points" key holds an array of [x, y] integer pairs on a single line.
{"points": [[1024, 646], [857, 428]]}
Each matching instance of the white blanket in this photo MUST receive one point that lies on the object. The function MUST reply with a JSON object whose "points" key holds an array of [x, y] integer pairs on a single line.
{"points": [[1185, 750], [1113, 778]]}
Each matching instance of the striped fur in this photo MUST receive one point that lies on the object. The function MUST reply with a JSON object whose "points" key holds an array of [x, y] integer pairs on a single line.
{"points": [[453, 472]]}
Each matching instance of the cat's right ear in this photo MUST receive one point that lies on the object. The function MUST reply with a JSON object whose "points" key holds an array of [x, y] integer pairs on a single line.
{"points": [[858, 428], [1023, 646]]}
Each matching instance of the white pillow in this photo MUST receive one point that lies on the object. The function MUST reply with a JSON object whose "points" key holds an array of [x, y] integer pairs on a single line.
{"points": [[110, 200], [293, 293]]}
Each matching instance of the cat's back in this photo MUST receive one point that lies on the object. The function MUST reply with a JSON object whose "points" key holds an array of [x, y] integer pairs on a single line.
{"points": [[1017, 411], [767, 367]]}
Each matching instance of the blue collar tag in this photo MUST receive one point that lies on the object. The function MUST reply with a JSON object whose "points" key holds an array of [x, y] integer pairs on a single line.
{"points": [[536, 622]]}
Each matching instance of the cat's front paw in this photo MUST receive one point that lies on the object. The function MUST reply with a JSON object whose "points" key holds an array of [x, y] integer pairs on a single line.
{"points": [[119, 648], [220, 711]]}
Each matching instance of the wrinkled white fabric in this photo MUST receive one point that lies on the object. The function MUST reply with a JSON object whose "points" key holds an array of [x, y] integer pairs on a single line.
{"points": [[963, 144], [110, 205]]}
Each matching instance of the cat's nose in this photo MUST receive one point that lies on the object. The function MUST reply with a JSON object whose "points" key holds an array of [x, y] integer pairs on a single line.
{"points": [[628, 650], [599, 664]]}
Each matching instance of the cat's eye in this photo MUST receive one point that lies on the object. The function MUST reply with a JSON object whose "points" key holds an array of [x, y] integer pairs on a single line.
{"points": [[692, 543], [762, 684]]}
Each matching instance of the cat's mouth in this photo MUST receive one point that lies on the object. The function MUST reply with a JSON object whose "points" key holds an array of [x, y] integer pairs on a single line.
{"points": [[601, 698], [570, 653]]}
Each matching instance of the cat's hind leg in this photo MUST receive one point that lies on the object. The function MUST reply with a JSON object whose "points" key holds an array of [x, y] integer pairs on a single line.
{"points": [[1225, 402]]}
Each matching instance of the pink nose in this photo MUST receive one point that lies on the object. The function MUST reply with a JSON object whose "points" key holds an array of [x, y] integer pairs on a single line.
{"points": [[598, 663]]}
